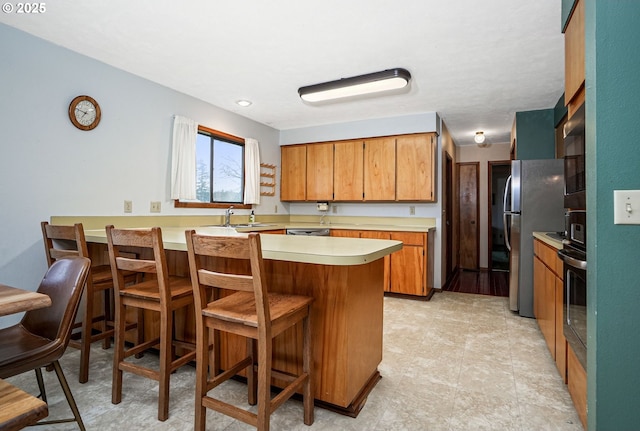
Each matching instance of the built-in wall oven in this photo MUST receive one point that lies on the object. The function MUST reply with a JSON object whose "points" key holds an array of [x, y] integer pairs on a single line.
{"points": [[574, 258]]}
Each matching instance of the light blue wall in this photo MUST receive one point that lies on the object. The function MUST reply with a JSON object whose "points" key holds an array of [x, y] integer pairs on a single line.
{"points": [[48, 167], [613, 251], [535, 135]]}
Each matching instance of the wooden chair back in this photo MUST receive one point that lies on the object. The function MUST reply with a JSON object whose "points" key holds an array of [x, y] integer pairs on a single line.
{"points": [[63, 241], [240, 248], [150, 239]]}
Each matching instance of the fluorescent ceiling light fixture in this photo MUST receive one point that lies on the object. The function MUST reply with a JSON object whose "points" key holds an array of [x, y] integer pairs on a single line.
{"points": [[390, 79], [479, 138], [243, 103]]}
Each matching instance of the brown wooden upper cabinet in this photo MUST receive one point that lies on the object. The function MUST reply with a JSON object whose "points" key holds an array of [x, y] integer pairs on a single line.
{"points": [[380, 169], [348, 171], [574, 52], [385, 169], [415, 167], [320, 172], [293, 171]]}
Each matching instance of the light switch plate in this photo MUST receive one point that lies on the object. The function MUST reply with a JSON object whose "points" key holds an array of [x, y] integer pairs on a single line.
{"points": [[626, 206]]}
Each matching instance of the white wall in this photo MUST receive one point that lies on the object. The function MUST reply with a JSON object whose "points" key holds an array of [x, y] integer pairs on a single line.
{"points": [[473, 153], [48, 167]]}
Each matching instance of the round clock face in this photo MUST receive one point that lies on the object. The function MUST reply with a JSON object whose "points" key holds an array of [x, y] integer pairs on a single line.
{"points": [[84, 112]]}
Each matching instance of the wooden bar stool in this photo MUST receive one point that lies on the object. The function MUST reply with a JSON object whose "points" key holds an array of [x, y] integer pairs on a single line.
{"points": [[65, 241], [158, 292], [251, 312]]}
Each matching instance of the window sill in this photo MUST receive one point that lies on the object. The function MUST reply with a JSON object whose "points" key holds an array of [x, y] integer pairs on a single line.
{"points": [[178, 204]]}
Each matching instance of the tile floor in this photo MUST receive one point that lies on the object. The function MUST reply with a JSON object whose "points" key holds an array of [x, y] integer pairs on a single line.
{"points": [[457, 362]]}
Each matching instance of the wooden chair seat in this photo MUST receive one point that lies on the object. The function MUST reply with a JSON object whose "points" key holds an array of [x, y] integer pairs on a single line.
{"points": [[240, 308], [252, 312], [156, 291], [148, 290]]}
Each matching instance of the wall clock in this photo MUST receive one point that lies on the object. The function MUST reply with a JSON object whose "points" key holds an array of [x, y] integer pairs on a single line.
{"points": [[84, 113]]}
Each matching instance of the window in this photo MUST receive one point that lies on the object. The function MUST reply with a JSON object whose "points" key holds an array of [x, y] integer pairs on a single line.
{"points": [[219, 170]]}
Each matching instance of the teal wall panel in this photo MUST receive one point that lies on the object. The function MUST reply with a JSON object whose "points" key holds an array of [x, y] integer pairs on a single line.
{"points": [[613, 251], [535, 135]]}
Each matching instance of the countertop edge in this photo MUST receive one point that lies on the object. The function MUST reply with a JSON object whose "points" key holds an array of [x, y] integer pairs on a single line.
{"points": [[547, 240]]}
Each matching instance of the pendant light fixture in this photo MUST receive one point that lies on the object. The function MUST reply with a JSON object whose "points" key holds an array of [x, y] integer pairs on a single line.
{"points": [[390, 79]]}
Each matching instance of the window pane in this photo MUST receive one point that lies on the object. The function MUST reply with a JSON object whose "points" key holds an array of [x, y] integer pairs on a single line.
{"points": [[228, 167], [203, 168]]}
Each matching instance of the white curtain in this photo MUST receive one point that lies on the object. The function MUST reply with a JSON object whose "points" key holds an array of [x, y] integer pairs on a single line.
{"points": [[251, 171], [183, 159]]}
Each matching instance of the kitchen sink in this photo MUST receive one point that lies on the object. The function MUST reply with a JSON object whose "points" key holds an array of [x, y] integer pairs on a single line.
{"points": [[241, 225]]}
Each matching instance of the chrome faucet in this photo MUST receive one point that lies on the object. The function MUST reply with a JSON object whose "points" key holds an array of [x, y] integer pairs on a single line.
{"points": [[227, 216]]}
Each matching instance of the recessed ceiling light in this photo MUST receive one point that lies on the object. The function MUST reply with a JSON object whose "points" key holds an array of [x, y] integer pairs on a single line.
{"points": [[243, 103]]}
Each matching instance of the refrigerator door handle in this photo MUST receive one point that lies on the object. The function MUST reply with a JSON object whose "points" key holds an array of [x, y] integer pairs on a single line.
{"points": [[506, 232], [506, 212], [507, 192]]}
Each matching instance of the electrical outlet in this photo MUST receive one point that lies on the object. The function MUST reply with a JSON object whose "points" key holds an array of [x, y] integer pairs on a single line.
{"points": [[275, 209], [334, 209], [412, 210], [155, 207], [128, 206]]}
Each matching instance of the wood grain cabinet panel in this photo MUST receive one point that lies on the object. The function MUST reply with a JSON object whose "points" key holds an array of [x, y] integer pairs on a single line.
{"points": [[548, 305], [574, 57], [415, 173], [577, 385], [380, 169], [373, 234], [320, 172], [293, 172], [348, 171]]}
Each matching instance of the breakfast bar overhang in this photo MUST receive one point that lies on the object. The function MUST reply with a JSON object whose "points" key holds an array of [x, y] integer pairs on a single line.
{"points": [[345, 276]]}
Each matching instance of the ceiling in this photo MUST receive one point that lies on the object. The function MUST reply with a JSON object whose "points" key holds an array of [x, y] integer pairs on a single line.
{"points": [[475, 63]]}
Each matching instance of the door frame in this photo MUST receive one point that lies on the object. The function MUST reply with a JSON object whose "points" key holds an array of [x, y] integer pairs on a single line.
{"points": [[449, 220], [477, 165], [490, 167]]}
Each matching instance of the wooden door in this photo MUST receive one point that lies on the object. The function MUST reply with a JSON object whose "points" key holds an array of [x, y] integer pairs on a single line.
{"points": [[415, 173], [293, 172], [469, 212], [348, 171], [320, 172], [380, 169], [448, 193]]}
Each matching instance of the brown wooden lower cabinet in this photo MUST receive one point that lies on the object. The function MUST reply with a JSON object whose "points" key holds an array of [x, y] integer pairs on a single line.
{"points": [[408, 271], [548, 302], [577, 384]]}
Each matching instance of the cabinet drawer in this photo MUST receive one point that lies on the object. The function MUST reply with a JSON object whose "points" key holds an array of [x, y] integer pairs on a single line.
{"points": [[410, 238]]}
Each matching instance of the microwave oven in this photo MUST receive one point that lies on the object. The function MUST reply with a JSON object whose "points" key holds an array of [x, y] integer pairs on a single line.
{"points": [[574, 161]]}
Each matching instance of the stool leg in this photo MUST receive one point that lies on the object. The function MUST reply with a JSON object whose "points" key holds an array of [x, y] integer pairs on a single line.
{"points": [[85, 340], [202, 366], [252, 372], [265, 352], [68, 394], [307, 368], [40, 380], [118, 352], [166, 323], [108, 317]]}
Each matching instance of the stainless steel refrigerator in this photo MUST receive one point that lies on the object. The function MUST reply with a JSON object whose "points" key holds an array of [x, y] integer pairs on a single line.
{"points": [[533, 201]]}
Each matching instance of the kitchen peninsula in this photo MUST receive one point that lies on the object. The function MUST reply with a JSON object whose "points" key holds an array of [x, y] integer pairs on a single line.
{"points": [[344, 276]]}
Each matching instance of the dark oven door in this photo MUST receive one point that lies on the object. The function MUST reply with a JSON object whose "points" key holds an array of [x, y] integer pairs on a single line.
{"points": [[575, 301]]}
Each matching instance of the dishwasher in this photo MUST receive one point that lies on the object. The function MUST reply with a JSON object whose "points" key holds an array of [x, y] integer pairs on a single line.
{"points": [[309, 232]]}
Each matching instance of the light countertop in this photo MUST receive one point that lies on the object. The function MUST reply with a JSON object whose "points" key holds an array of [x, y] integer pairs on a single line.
{"points": [[544, 237], [306, 249]]}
